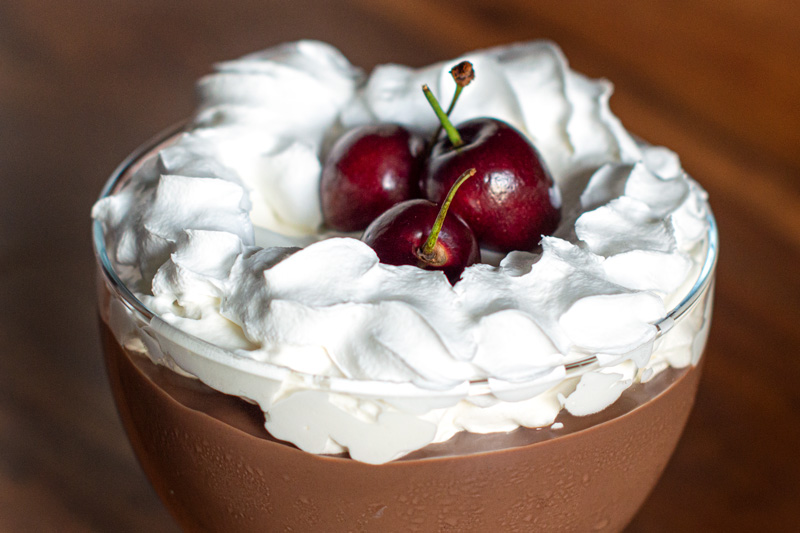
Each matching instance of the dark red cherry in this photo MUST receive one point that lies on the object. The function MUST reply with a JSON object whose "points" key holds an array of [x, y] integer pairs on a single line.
{"points": [[418, 232], [368, 170], [511, 202]]}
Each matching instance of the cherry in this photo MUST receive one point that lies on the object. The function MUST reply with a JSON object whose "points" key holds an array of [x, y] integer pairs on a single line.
{"points": [[512, 201], [416, 232], [369, 169]]}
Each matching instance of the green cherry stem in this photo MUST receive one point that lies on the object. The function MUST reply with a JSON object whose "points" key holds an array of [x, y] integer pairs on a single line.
{"points": [[462, 74], [459, 88], [435, 136], [426, 253], [452, 132]]}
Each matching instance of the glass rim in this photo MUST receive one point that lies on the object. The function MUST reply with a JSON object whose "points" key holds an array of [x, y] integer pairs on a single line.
{"points": [[343, 384]]}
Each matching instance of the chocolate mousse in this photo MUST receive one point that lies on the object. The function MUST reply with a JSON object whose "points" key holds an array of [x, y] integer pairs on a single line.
{"points": [[217, 469]]}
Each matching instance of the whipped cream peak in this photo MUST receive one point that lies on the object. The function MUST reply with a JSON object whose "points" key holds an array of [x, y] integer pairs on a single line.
{"points": [[528, 85], [294, 90], [220, 234]]}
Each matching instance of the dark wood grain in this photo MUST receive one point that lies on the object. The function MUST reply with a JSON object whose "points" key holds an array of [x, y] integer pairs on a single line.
{"points": [[83, 83]]}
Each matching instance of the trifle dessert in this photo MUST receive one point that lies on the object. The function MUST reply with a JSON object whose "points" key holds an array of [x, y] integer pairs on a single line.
{"points": [[329, 304]]}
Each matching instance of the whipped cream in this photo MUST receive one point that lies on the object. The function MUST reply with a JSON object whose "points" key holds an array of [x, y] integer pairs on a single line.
{"points": [[220, 234]]}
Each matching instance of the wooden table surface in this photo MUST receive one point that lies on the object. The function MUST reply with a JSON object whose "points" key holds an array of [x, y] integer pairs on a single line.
{"points": [[83, 83]]}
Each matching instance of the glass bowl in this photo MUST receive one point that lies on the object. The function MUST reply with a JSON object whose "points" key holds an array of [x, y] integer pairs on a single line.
{"points": [[215, 466]]}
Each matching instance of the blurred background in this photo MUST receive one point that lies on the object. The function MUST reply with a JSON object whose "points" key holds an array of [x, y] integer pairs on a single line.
{"points": [[83, 83]]}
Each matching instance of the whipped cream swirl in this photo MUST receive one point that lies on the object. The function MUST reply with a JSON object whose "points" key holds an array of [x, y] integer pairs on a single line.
{"points": [[220, 234]]}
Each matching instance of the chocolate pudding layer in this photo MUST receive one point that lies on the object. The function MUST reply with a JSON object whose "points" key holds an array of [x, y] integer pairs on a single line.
{"points": [[215, 467]]}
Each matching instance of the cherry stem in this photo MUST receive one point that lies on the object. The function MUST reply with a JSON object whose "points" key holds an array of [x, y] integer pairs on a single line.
{"points": [[459, 88], [462, 74], [426, 252], [452, 132]]}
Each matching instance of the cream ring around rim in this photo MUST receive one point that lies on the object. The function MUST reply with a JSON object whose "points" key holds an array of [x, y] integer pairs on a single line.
{"points": [[582, 363]]}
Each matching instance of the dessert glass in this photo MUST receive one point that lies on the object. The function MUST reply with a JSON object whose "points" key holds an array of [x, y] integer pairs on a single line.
{"points": [[215, 467]]}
